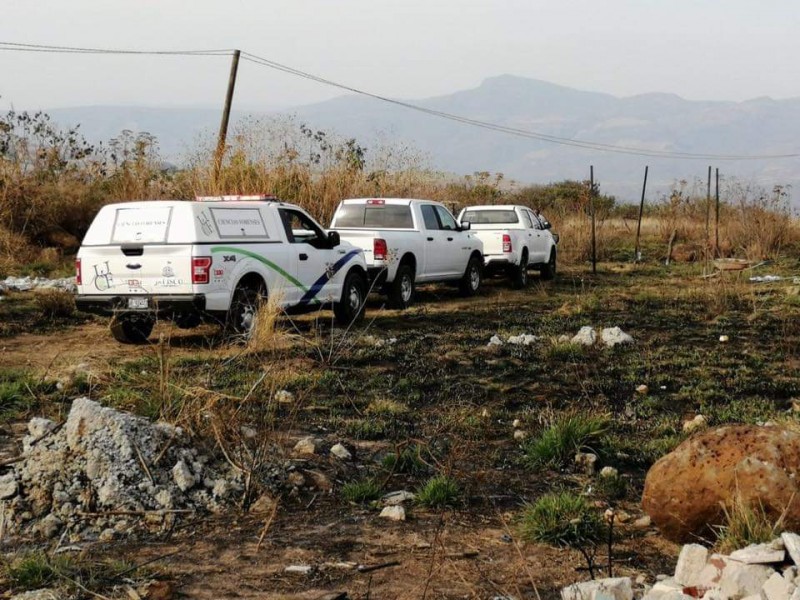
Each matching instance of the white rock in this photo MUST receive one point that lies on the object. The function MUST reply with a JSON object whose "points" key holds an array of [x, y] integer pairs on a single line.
{"points": [[339, 451], [516, 423], [760, 554], [791, 573], [395, 513], [792, 543], [183, 476], [586, 336], [711, 574], [612, 336], [643, 522], [520, 434], [666, 585], [714, 593], [740, 579], [613, 588], [777, 588], [699, 422], [723, 338], [396, 498], [301, 569], [524, 339], [43, 594], [284, 397], [608, 473], [38, 426], [642, 389], [587, 461], [691, 562], [8, 485], [495, 341], [307, 445]]}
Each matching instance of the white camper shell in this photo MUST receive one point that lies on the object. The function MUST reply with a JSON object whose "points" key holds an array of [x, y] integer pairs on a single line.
{"points": [[213, 259]]}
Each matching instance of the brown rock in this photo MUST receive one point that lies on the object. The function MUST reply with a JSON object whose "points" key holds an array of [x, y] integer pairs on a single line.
{"points": [[684, 491]]}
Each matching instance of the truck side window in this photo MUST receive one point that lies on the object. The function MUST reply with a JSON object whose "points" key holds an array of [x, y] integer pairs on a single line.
{"points": [[526, 216], [301, 230], [536, 223], [429, 216], [446, 219]]}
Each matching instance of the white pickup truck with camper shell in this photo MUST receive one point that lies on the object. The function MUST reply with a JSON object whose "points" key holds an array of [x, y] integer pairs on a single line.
{"points": [[515, 238], [410, 241], [213, 259]]}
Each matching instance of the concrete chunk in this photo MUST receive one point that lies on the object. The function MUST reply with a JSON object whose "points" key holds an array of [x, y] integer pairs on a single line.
{"points": [[613, 588], [777, 588], [740, 579], [760, 554], [792, 543], [711, 574], [691, 562]]}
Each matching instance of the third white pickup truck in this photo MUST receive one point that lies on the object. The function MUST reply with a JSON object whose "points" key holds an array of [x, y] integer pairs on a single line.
{"points": [[514, 240], [406, 241]]}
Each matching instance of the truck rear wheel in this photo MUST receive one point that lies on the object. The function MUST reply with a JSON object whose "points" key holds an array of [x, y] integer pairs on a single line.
{"points": [[471, 281], [132, 328], [351, 307], [519, 275], [401, 290], [243, 311]]}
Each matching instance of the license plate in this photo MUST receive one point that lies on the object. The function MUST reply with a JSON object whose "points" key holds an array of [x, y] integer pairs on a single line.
{"points": [[137, 302]]}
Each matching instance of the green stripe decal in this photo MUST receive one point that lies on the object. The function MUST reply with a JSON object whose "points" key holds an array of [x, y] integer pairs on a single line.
{"points": [[261, 259]]}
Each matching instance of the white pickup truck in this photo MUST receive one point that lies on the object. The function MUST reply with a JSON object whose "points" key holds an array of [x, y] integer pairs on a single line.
{"points": [[514, 240], [213, 259], [410, 241]]}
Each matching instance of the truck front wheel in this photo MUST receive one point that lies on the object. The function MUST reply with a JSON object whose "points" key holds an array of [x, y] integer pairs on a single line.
{"points": [[351, 307], [132, 328], [471, 282], [401, 290]]}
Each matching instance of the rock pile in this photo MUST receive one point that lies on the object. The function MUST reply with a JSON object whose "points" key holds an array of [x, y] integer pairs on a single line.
{"points": [[758, 572], [609, 336], [24, 284], [99, 470]]}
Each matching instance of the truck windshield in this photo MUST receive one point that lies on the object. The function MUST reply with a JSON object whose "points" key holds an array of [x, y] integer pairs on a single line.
{"points": [[485, 217], [383, 216]]}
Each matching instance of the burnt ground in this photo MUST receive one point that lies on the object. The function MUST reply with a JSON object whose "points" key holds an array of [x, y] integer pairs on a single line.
{"points": [[441, 391]]}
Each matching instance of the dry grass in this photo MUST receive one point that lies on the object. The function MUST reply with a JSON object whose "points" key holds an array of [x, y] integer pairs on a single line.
{"points": [[55, 303]]}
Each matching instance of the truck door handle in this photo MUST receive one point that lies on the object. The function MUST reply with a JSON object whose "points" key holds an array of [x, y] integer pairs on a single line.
{"points": [[303, 256], [430, 239], [449, 239], [134, 266]]}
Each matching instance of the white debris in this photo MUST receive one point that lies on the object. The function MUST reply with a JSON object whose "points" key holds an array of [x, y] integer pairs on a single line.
{"points": [[792, 543], [339, 451], [759, 554], [642, 389], [765, 278], [698, 422], [8, 486], [306, 445], [24, 284], [520, 434], [284, 397], [394, 513], [300, 569], [495, 341], [777, 588], [609, 473], [613, 336], [396, 498], [613, 588], [184, 478], [723, 338], [691, 562], [740, 580], [586, 336]]}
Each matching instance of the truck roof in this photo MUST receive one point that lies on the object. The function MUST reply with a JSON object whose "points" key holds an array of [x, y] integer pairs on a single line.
{"points": [[401, 201], [494, 207]]}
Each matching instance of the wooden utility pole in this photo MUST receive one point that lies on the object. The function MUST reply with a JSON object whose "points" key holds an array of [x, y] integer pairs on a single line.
{"points": [[591, 205], [226, 113], [716, 227], [638, 252], [708, 221]]}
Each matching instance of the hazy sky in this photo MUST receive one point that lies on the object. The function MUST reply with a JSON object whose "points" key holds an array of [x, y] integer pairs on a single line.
{"points": [[732, 50]]}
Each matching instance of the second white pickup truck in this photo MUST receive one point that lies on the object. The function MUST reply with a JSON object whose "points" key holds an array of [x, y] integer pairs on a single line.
{"points": [[406, 241], [514, 240]]}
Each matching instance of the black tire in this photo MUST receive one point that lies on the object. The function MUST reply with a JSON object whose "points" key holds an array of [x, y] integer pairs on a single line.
{"points": [[519, 277], [132, 328], [401, 290], [548, 270], [352, 305], [242, 312], [187, 320], [471, 281]]}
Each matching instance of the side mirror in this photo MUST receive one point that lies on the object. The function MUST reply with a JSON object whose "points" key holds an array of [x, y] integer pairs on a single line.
{"points": [[547, 225], [465, 226], [334, 239]]}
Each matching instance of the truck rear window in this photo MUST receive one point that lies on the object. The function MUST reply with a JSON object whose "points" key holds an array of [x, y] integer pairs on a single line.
{"points": [[141, 225], [493, 217], [386, 216]]}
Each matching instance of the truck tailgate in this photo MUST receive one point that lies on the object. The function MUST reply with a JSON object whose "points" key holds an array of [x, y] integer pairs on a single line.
{"points": [[492, 241], [146, 269]]}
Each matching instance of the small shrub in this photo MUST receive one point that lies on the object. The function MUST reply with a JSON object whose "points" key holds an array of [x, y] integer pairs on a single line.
{"points": [[438, 492], [565, 352], [55, 303], [362, 491], [410, 460], [386, 408], [556, 445], [562, 519], [746, 524], [612, 487], [367, 429], [265, 334], [30, 571]]}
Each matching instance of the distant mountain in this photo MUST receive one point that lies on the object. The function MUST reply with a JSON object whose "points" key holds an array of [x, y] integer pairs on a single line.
{"points": [[647, 122]]}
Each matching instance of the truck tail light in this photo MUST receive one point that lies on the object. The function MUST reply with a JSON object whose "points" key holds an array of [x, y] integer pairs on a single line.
{"points": [[506, 243], [201, 269], [78, 280], [379, 249]]}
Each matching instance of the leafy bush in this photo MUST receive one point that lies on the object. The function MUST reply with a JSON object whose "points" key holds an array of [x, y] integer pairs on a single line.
{"points": [[556, 445], [561, 519]]}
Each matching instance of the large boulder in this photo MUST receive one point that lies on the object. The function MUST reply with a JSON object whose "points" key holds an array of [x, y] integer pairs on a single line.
{"points": [[685, 491]]}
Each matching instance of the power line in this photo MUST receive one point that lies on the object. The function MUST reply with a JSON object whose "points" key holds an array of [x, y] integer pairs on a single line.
{"points": [[518, 132]]}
